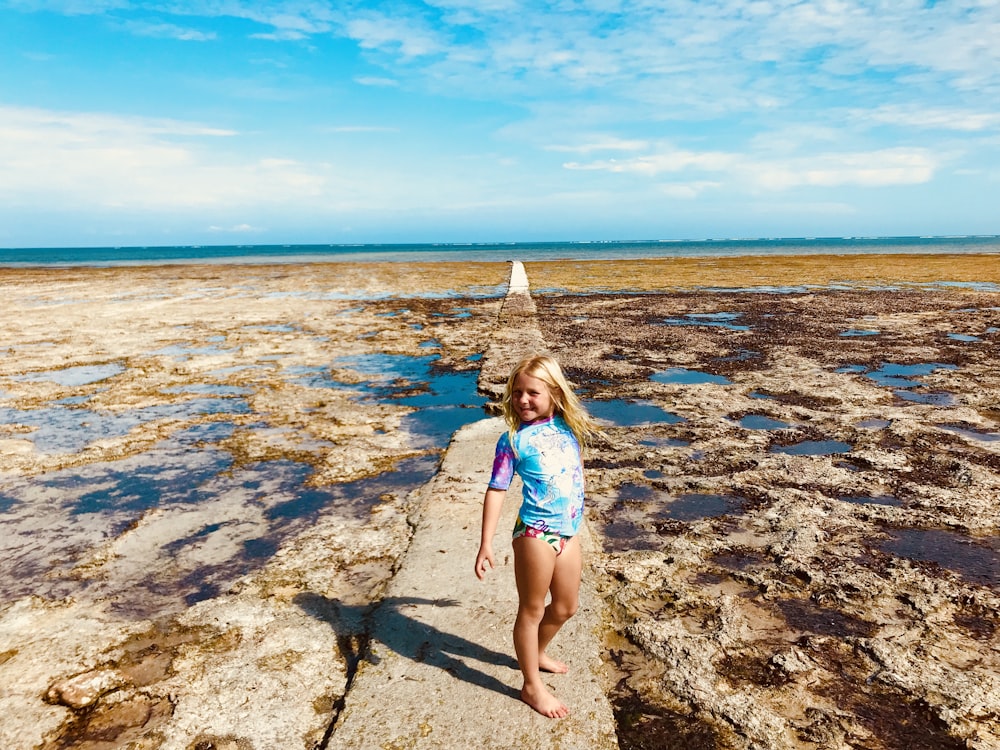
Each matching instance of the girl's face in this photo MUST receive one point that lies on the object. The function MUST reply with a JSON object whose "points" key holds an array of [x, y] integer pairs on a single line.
{"points": [[531, 398]]}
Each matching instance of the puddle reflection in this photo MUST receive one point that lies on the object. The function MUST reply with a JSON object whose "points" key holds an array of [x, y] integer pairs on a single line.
{"points": [[740, 355], [716, 320], [692, 506], [199, 519], [972, 433], [934, 398], [444, 400], [975, 559], [902, 379], [813, 448], [69, 430], [859, 332], [696, 506], [71, 377], [624, 413], [684, 376], [874, 424], [761, 422]]}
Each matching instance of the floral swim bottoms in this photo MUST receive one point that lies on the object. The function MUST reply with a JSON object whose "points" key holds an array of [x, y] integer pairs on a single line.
{"points": [[554, 540]]}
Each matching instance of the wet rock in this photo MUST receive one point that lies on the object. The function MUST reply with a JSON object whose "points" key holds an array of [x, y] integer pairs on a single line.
{"points": [[82, 690]]}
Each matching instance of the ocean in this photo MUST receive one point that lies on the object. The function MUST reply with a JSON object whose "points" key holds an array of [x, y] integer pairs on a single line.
{"points": [[487, 252]]}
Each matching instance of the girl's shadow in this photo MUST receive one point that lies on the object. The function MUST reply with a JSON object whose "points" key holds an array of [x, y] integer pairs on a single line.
{"points": [[388, 622]]}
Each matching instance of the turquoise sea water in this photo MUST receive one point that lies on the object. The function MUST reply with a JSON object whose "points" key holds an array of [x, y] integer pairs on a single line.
{"points": [[525, 251]]}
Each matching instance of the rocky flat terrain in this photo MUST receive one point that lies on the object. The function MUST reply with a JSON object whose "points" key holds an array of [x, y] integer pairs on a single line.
{"points": [[210, 475]]}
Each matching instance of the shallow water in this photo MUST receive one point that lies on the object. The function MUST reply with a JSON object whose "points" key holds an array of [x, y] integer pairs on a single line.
{"points": [[696, 506], [903, 379], [714, 320], [70, 429], [627, 413], [891, 374], [874, 424], [196, 511], [813, 448], [975, 559], [684, 376], [852, 332], [761, 422], [934, 398], [972, 433], [75, 376], [443, 401]]}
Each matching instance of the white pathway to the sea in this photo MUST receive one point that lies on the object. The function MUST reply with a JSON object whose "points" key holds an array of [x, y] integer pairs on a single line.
{"points": [[518, 278], [441, 672]]}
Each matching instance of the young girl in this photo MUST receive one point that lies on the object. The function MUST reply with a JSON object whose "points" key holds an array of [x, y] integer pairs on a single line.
{"points": [[546, 427]]}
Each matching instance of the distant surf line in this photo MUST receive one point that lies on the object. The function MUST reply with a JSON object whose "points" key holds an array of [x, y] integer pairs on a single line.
{"points": [[491, 251]]}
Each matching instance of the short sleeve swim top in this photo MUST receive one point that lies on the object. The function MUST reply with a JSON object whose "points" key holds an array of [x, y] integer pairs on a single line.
{"points": [[549, 463]]}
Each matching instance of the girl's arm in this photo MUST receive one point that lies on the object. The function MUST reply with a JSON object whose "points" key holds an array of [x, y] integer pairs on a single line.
{"points": [[492, 504]]}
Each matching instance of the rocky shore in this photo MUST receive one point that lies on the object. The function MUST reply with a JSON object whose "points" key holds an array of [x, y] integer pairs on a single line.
{"points": [[808, 555], [209, 475]]}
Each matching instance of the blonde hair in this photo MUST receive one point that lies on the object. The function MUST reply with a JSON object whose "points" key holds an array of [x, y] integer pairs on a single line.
{"points": [[567, 404]]}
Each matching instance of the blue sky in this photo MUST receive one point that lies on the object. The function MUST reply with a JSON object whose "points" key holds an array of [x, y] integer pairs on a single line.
{"points": [[158, 122]]}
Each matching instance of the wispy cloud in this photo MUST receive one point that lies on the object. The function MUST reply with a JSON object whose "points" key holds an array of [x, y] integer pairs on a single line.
{"points": [[880, 168], [380, 81], [407, 36], [166, 31], [361, 129], [621, 107], [666, 161], [236, 229], [937, 118], [70, 7], [687, 190], [602, 143], [105, 160]]}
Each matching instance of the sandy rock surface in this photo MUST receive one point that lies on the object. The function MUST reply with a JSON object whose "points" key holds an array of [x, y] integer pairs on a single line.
{"points": [[809, 555], [204, 483], [207, 476]]}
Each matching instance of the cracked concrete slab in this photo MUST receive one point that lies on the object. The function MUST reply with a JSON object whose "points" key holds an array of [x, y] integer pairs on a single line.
{"points": [[441, 671]]}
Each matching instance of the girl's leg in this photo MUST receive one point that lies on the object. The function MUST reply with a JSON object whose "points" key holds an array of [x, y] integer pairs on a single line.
{"points": [[565, 589], [534, 566]]}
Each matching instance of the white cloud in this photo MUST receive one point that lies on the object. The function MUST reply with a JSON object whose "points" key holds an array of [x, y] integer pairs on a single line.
{"points": [[667, 161], [410, 37], [681, 59], [882, 168], [236, 229], [933, 118], [70, 7], [687, 190], [682, 99], [361, 129], [167, 31], [88, 159], [601, 143], [283, 35], [376, 81], [879, 168]]}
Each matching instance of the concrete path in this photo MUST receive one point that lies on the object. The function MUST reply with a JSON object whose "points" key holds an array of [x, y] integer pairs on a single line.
{"points": [[442, 672]]}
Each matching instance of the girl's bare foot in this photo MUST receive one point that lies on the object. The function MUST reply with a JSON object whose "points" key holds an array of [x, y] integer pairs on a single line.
{"points": [[544, 702], [547, 664]]}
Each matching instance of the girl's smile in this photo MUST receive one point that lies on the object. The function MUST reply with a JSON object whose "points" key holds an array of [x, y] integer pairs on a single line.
{"points": [[531, 398]]}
